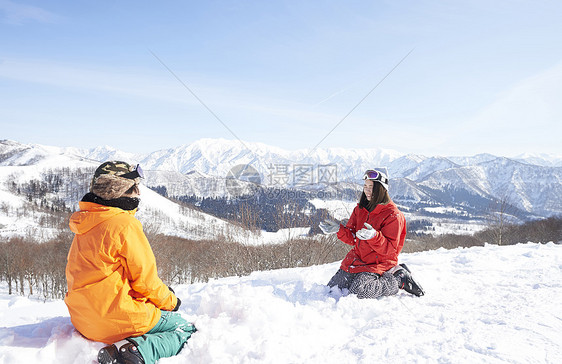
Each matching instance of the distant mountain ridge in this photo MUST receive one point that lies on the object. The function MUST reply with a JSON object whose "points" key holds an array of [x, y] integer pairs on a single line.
{"points": [[530, 183]]}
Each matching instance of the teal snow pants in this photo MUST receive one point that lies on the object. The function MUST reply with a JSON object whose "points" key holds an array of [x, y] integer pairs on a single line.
{"points": [[165, 339]]}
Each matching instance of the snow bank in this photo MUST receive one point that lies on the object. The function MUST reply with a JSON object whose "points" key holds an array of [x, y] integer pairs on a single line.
{"points": [[483, 304]]}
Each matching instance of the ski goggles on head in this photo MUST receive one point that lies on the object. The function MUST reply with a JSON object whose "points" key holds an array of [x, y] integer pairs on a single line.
{"points": [[373, 175], [136, 173]]}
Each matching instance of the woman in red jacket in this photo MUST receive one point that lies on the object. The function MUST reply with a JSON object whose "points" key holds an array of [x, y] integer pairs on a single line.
{"points": [[376, 230]]}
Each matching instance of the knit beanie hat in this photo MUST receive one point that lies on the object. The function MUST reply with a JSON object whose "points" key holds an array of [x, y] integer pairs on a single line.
{"points": [[112, 179]]}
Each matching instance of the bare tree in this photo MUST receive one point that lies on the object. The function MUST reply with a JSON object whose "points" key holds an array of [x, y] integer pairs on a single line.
{"points": [[499, 217]]}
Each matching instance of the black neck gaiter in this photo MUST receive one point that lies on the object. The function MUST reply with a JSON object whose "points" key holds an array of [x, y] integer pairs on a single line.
{"points": [[124, 203]]}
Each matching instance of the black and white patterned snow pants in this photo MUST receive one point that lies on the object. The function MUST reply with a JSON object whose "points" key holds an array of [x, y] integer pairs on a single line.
{"points": [[366, 284]]}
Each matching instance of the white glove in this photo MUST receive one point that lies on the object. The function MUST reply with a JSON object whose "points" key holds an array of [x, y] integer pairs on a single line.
{"points": [[366, 233], [329, 226]]}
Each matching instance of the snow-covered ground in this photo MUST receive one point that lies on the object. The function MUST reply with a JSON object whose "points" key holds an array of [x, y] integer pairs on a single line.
{"points": [[482, 305], [339, 209], [448, 226]]}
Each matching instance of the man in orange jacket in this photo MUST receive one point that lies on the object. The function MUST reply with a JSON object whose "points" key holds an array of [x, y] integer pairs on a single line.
{"points": [[114, 292]]}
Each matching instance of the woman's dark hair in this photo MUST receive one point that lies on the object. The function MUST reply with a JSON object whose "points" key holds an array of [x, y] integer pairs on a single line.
{"points": [[378, 196]]}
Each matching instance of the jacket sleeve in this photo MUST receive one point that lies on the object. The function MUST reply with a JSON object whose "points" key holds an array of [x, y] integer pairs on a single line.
{"points": [[141, 266], [386, 240], [347, 233]]}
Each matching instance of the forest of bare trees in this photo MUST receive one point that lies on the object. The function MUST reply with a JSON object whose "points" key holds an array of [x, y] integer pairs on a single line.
{"points": [[32, 268]]}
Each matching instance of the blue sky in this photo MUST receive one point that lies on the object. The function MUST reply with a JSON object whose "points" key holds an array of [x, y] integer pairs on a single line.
{"points": [[482, 76]]}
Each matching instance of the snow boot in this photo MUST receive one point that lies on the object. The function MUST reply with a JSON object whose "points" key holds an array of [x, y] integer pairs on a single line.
{"points": [[128, 353], [407, 283], [108, 355]]}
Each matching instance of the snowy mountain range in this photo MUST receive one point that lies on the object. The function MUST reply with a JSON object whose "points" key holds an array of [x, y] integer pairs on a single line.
{"points": [[423, 186], [532, 184]]}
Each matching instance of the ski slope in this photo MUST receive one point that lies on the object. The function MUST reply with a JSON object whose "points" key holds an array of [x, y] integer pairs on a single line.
{"points": [[482, 305]]}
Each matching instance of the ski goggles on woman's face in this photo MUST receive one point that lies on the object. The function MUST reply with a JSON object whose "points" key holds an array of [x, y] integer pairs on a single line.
{"points": [[375, 176], [136, 173]]}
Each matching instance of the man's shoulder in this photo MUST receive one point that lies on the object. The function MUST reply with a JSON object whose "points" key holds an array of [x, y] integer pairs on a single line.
{"points": [[125, 219]]}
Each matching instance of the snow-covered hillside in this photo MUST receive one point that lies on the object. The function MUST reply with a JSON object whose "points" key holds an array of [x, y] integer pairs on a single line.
{"points": [[470, 187], [491, 304], [20, 164]]}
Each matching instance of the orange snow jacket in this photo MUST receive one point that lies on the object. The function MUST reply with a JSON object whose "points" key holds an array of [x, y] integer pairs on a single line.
{"points": [[379, 254], [113, 287]]}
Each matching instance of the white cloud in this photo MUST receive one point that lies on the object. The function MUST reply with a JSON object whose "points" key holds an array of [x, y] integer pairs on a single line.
{"points": [[13, 13], [525, 118], [157, 85], [128, 82], [242, 110], [532, 101]]}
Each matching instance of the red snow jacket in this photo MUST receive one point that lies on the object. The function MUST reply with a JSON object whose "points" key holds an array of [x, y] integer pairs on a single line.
{"points": [[379, 254]]}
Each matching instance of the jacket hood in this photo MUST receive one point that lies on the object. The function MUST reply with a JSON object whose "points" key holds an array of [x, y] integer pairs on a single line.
{"points": [[92, 214]]}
